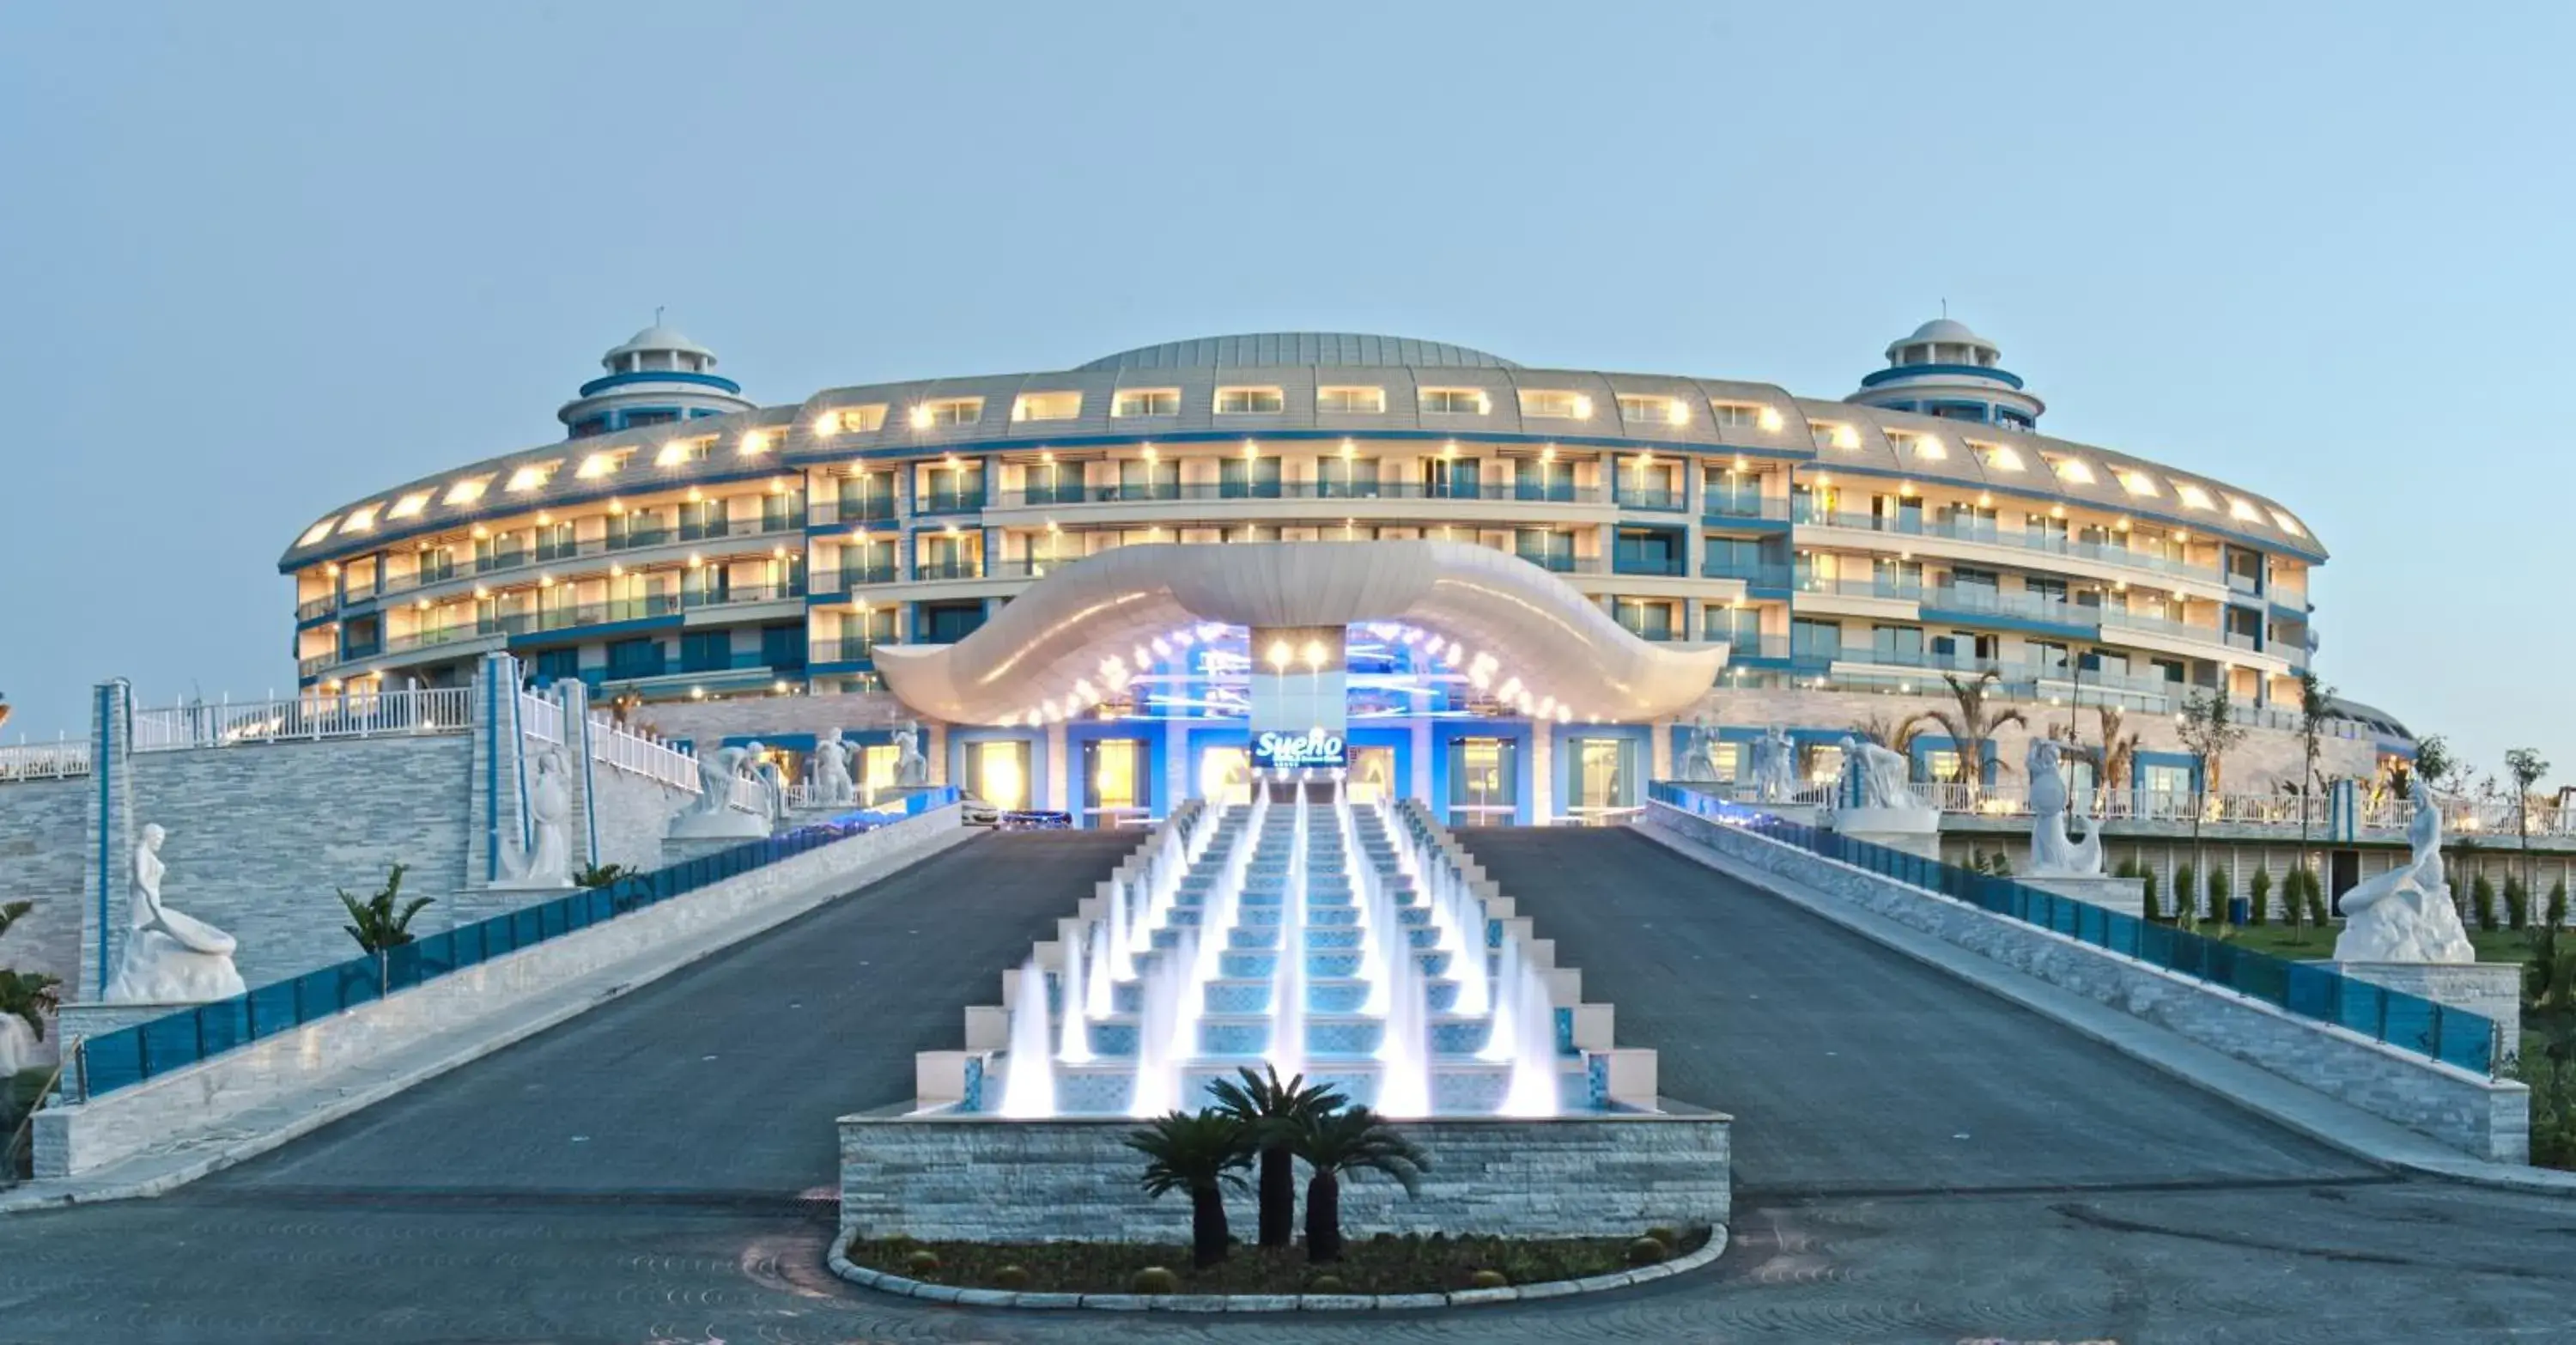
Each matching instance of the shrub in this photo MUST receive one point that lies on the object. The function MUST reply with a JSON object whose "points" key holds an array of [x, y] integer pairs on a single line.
{"points": [[2154, 909], [378, 923], [600, 875], [2558, 902], [2316, 894], [1155, 1280], [2260, 889], [2184, 899], [2482, 900], [1490, 1279], [2517, 903], [923, 1264], [1668, 1237], [2553, 1108], [1647, 1252], [2217, 894], [1011, 1277]]}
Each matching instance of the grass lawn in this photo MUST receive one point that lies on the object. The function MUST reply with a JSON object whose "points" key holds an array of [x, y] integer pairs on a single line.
{"points": [[1385, 1264], [2309, 943]]}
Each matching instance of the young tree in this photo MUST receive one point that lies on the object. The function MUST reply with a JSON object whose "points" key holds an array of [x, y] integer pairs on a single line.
{"points": [[2209, 731], [1202, 1155], [1344, 1143], [2119, 750], [1271, 1113], [2314, 697], [2526, 767], [378, 923], [1971, 726]]}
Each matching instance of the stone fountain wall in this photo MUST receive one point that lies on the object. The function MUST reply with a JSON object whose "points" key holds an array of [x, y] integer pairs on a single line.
{"points": [[946, 1177]]}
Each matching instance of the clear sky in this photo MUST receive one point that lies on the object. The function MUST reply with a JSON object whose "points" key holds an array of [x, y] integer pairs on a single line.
{"points": [[259, 259]]}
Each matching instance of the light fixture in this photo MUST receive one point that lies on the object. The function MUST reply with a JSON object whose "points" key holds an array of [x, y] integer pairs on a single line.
{"points": [[921, 416], [826, 425]]}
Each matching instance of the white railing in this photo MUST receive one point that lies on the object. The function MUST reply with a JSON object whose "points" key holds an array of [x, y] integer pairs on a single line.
{"points": [[2460, 816], [374, 714], [614, 745], [750, 796], [44, 761], [540, 717]]}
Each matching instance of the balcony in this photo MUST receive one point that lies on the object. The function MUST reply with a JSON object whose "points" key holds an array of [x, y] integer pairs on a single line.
{"points": [[2115, 619], [1750, 648], [948, 502], [955, 567], [868, 574], [1649, 564], [312, 665], [1755, 574], [737, 595], [361, 649], [1551, 561], [1173, 492], [1651, 497], [492, 561], [1731, 508], [1907, 590], [848, 649], [582, 614], [2240, 640], [314, 609], [1977, 600], [434, 637], [849, 509], [1906, 525], [636, 539]]}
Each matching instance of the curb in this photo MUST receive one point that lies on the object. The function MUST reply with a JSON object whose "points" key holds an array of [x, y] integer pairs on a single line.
{"points": [[883, 1282], [2002, 980]]}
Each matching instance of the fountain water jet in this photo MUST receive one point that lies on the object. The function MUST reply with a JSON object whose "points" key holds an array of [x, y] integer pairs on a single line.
{"points": [[1028, 1086], [1074, 1044]]}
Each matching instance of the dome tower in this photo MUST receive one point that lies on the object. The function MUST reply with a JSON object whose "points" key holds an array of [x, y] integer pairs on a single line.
{"points": [[1946, 370], [656, 377]]}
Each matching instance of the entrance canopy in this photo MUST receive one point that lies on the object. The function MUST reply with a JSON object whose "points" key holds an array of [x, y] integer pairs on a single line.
{"points": [[1522, 637]]}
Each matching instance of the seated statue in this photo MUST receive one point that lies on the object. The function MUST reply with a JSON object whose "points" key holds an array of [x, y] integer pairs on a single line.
{"points": [[2052, 853], [829, 779], [2406, 914], [168, 958], [1878, 775]]}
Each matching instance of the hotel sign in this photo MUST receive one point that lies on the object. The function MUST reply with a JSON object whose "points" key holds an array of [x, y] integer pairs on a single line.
{"points": [[1292, 751]]}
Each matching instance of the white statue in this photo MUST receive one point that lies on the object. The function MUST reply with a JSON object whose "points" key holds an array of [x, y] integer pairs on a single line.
{"points": [[1775, 766], [713, 815], [1699, 751], [2052, 854], [773, 784], [17, 1044], [2406, 914], [716, 772], [548, 863], [910, 767], [1875, 776], [168, 958], [828, 778]]}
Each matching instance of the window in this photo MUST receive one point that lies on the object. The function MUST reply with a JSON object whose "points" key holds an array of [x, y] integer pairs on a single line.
{"points": [[1346, 476], [1999, 457], [1454, 401], [1815, 641], [1047, 406], [782, 646], [1249, 402], [2287, 524], [635, 658], [467, 491], [1147, 402], [608, 463], [359, 519], [947, 411], [1830, 435], [681, 453], [2136, 482], [753, 443], [2237, 509], [1921, 447], [2193, 497], [851, 420], [1358, 401], [2073, 471], [1901, 646], [1743, 415], [1643, 410], [1556, 405], [317, 532], [532, 477]]}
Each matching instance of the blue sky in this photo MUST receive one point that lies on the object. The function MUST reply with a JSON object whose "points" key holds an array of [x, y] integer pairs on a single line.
{"points": [[262, 259]]}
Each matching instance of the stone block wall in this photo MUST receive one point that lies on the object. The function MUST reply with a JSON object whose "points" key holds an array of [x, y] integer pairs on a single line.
{"points": [[42, 826], [632, 813], [965, 1177], [2487, 1118]]}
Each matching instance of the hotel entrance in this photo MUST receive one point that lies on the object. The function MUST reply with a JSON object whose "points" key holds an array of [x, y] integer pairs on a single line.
{"points": [[997, 771], [1372, 775], [1116, 782], [1484, 782], [1600, 779], [1225, 776]]}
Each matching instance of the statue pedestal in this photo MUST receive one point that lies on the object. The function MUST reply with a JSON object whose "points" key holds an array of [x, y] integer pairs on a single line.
{"points": [[1803, 814], [2491, 990], [1916, 831], [731, 824], [2128, 896]]}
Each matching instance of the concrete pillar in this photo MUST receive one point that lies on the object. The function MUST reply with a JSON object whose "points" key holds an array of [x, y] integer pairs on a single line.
{"points": [[107, 868], [1659, 751], [573, 695], [1420, 786], [1176, 769], [1059, 772], [935, 752], [1542, 749]]}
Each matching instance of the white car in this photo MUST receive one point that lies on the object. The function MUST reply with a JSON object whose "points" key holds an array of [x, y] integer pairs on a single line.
{"points": [[977, 813]]}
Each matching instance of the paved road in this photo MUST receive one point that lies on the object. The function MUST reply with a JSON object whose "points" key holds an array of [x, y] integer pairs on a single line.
{"points": [[1851, 1068], [466, 1213]]}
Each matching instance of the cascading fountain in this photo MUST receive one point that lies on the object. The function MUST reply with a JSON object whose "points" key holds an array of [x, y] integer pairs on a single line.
{"points": [[1341, 942]]}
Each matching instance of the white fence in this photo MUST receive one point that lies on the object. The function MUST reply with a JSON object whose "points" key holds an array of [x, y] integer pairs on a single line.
{"points": [[613, 744], [540, 718], [200, 724], [44, 761], [2460, 816]]}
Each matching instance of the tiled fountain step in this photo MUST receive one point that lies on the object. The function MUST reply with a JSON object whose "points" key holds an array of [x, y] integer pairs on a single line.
{"points": [[1319, 962], [1328, 994], [1457, 1088], [1128, 997], [1351, 1034]]}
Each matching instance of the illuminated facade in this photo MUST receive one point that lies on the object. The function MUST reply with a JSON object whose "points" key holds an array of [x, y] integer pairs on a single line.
{"points": [[685, 544]]}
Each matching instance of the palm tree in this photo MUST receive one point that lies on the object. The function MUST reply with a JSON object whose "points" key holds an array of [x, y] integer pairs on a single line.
{"points": [[27, 995], [1335, 1144], [1894, 734], [376, 923], [1271, 1112], [1200, 1154], [1972, 726], [2119, 750]]}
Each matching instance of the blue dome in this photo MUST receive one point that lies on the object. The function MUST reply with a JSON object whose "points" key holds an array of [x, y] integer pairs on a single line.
{"points": [[1344, 349]]}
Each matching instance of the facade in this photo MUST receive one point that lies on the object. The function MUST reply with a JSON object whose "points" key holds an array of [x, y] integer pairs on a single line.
{"points": [[689, 547]]}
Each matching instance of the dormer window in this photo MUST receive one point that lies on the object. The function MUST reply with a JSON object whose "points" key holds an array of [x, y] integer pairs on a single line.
{"points": [[317, 532], [2193, 497], [1456, 401], [1648, 410], [408, 506], [2136, 482], [1831, 435], [1351, 401], [1555, 405], [1999, 457], [2073, 471], [1047, 406], [2243, 511], [466, 491], [534, 476]]}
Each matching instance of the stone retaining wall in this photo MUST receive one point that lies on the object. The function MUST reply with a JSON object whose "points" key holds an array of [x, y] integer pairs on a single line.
{"points": [[947, 1177], [2487, 1118]]}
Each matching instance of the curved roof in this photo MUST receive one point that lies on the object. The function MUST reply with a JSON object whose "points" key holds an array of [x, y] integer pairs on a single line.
{"points": [[1941, 329], [1048, 653], [659, 337], [1256, 349]]}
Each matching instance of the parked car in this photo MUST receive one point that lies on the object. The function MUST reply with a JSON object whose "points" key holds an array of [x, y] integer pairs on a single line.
{"points": [[977, 813]]}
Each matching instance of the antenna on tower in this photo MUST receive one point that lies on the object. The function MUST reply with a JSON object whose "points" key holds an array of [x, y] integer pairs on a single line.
{"points": [[1945, 310], [657, 312]]}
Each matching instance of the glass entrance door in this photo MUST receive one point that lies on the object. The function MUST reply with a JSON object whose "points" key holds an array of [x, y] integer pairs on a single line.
{"points": [[1114, 782], [1484, 782], [1000, 770], [1225, 776], [1600, 780], [1372, 777]]}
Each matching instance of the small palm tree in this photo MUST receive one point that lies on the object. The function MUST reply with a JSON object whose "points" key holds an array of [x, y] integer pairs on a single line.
{"points": [[1972, 725], [1349, 1142], [600, 875], [1894, 734], [2119, 749], [1200, 1154], [376, 923], [1271, 1112]]}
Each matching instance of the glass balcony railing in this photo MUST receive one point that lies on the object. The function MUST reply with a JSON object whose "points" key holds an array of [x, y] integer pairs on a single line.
{"points": [[1724, 507], [1170, 492], [1552, 562], [434, 637], [848, 649], [2045, 543], [1911, 590], [948, 502], [312, 608], [1754, 573], [517, 558], [1650, 497], [1648, 564], [869, 573], [1977, 600], [1772, 647], [955, 567], [2114, 618]]}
